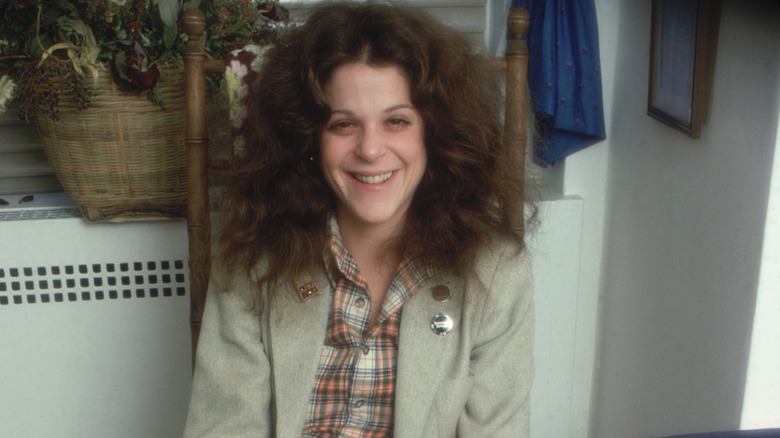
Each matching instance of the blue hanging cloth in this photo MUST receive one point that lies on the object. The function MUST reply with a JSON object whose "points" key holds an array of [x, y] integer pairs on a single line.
{"points": [[564, 77]]}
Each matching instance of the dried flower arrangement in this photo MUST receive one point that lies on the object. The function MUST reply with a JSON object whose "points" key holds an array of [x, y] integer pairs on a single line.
{"points": [[42, 41]]}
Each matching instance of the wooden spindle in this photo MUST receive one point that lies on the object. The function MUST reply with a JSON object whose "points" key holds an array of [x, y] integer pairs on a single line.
{"points": [[196, 143], [516, 110]]}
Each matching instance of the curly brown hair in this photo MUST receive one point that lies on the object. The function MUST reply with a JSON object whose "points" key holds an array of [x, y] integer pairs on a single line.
{"points": [[279, 200]]}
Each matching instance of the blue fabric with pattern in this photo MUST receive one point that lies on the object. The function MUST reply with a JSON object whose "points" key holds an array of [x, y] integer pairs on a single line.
{"points": [[564, 77]]}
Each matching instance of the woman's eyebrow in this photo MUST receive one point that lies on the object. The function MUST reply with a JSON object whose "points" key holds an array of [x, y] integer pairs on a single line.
{"points": [[399, 106], [387, 110], [342, 111]]}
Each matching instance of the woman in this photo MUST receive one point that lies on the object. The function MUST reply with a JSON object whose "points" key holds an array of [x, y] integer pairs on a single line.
{"points": [[367, 283]]}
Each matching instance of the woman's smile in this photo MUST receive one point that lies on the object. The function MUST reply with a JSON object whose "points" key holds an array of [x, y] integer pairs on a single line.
{"points": [[373, 179]]}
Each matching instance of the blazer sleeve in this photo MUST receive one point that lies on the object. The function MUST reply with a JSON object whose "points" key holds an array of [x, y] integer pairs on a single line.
{"points": [[231, 388], [501, 360]]}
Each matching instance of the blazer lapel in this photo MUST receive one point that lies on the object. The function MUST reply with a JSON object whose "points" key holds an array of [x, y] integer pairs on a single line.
{"points": [[422, 355], [297, 330]]}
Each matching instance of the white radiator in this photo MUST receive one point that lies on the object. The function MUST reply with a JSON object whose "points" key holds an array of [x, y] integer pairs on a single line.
{"points": [[94, 326]]}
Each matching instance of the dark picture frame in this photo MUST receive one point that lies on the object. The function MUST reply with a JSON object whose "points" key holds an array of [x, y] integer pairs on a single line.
{"points": [[684, 35]]}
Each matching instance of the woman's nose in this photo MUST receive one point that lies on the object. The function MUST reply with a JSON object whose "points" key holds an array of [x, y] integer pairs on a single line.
{"points": [[371, 145]]}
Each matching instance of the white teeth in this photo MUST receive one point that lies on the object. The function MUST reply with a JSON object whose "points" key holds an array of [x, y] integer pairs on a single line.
{"points": [[376, 179]]}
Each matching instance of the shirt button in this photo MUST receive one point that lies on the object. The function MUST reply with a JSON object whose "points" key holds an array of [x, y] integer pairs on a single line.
{"points": [[359, 404], [360, 302], [366, 349]]}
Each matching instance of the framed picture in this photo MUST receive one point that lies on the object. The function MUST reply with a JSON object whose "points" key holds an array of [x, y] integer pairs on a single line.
{"points": [[682, 57]]}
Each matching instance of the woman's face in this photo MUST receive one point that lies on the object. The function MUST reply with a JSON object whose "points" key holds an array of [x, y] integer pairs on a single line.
{"points": [[372, 148]]}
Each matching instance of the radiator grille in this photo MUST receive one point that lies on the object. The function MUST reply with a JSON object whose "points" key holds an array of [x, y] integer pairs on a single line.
{"points": [[37, 214], [92, 282]]}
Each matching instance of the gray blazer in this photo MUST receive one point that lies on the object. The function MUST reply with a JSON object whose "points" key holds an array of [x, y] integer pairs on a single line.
{"points": [[255, 372]]}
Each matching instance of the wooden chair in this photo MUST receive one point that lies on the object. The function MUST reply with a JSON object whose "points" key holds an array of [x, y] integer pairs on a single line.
{"points": [[515, 66]]}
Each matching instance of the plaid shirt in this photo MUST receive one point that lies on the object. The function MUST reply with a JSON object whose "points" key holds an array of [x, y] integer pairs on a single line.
{"points": [[355, 383]]}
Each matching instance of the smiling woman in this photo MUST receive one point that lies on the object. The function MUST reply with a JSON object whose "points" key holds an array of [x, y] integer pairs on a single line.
{"points": [[366, 282], [373, 158]]}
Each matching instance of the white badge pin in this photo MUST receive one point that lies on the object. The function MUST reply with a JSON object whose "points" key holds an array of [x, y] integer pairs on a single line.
{"points": [[441, 324]]}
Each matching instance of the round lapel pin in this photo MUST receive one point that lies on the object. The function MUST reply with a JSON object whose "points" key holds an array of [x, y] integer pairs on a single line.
{"points": [[440, 293], [441, 324]]}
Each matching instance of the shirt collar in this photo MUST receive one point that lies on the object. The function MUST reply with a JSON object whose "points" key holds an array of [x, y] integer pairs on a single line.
{"points": [[340, 263]]}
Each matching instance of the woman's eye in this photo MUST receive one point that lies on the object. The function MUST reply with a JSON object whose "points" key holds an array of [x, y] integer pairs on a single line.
{"points": [[340, 125], [398, 121]]}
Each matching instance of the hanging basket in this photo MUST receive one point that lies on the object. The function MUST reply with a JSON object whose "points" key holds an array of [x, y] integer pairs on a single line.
{"points": [[123, 158]]}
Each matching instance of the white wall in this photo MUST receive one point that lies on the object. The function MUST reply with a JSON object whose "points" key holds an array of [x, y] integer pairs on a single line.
{"points": [[684, 229], [762, 389]]}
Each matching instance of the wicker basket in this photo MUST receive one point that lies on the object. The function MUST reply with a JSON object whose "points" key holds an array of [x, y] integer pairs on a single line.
{"points": [[124, 157]]}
